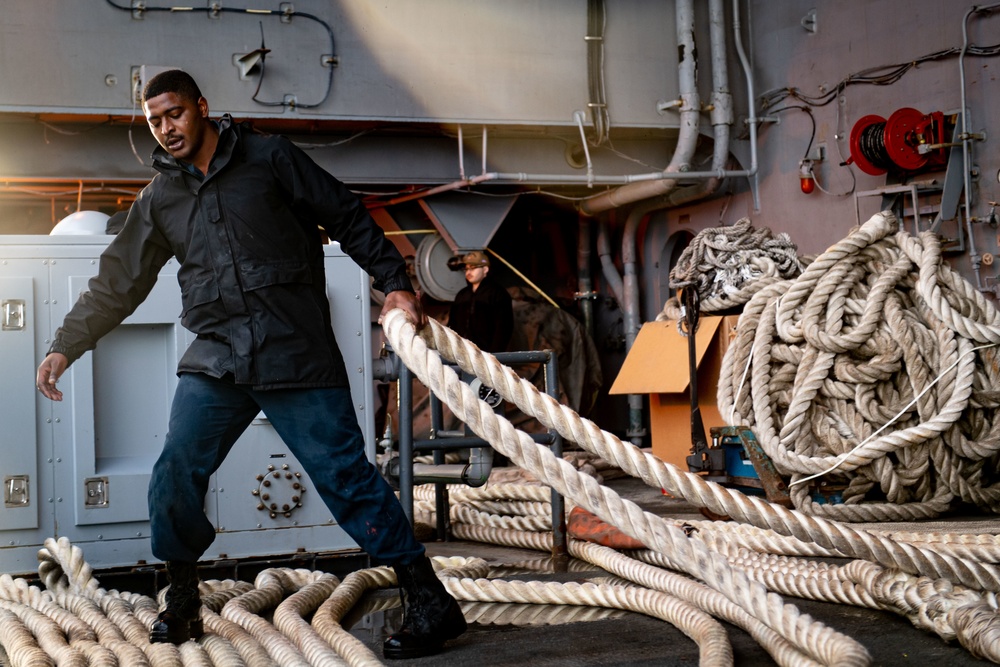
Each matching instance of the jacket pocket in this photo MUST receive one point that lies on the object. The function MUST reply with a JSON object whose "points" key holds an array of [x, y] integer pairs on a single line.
{"points": [[196, 293], [258, 275]]}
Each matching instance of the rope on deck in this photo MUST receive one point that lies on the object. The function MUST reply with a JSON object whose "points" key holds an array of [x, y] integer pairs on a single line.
{"points": [[944, 584]]}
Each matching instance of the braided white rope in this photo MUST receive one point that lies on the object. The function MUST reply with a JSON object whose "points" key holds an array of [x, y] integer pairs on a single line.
{"points": [[823, 643], [656, 473], [877, 368]]}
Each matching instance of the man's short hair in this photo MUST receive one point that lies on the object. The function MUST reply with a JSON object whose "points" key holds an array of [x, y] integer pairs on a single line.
{"points": [[172, 81]]}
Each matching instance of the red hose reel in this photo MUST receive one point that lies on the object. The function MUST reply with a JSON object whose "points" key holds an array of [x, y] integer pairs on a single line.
{"points": [[908, 141]]}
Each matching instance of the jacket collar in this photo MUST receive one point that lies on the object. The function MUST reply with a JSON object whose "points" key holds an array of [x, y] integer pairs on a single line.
{"points": [[228, 137]]}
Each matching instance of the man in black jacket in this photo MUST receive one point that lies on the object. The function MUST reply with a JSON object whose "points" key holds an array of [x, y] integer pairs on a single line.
{"points": [[242, 212], [482, 310]]}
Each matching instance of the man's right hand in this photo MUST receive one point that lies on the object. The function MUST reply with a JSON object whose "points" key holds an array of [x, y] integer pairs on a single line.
{"points": [[49, 373]]}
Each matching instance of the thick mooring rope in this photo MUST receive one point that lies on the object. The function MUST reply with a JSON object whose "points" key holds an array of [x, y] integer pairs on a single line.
{"points": [[945, 584], [917, 559], [874, 373], [728, 265]]}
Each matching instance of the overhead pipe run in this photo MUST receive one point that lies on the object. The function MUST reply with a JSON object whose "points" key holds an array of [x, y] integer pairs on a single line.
{"points": [[687, 140], [589, 206], [721, 105], [651, 194]]}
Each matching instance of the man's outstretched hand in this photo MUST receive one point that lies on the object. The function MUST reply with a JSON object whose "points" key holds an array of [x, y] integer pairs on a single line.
{"points": [[49, 372], [409, 303]]}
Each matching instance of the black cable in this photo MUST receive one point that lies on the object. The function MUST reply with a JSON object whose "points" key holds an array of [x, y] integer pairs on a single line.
{"points": [[871, 143], [812, 119], [878, 76], [253, 12]]}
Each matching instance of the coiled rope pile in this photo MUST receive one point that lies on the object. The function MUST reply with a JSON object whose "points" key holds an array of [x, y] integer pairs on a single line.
{"points": [[943, 583], [728, 265], [876, 370]]}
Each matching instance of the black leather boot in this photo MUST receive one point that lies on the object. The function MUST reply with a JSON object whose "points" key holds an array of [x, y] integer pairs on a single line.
{"points": [[431, 616], [181, 620]]}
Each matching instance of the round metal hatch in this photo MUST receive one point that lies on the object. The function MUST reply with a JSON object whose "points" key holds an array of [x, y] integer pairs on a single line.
{"points": [[431, 266]]}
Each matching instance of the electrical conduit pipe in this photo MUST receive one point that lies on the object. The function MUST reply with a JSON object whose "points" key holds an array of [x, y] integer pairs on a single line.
{"points": [[687, 139]]}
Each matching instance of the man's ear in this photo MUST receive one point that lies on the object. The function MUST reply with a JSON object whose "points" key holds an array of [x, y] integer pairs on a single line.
{"points": [[203, 107]]}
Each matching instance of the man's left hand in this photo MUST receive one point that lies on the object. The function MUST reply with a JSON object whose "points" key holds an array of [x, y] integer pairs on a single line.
{"points": [[410, 305]]}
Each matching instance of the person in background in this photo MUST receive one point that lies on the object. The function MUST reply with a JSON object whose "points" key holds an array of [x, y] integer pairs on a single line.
{"points": [[241, 212], [482, 311]]}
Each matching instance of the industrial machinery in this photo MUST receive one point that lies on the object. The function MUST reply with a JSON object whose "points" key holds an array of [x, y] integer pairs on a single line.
{"points": [[736, 459], [908, 141]]}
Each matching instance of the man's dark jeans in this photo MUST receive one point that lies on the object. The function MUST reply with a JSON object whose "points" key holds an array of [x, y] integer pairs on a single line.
{"points": [[320, 428]]}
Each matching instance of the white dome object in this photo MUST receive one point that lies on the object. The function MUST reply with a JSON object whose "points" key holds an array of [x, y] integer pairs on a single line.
{"points": [[82, 222]]}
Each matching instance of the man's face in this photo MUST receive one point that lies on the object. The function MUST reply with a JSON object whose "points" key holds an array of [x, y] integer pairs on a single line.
{"points": [[475, 274], [178, 124]]}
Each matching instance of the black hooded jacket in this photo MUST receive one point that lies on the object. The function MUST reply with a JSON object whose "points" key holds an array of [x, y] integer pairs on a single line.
{"points": [[247, 238]]}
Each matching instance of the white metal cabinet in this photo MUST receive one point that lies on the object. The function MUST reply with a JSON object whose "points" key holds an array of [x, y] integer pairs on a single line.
{"points": [[81, 468]]}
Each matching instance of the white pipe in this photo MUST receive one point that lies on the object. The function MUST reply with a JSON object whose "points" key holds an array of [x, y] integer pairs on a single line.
{"points": [[484, 150], [722, 107], [578, 116], [461, 155], [687, 139], [751, 103]]}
